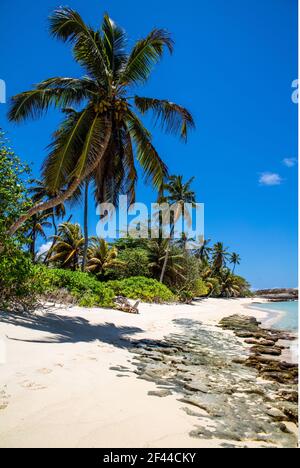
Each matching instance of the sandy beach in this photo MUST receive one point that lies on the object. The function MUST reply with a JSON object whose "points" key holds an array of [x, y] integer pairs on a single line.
{"points": [[62, 385]]}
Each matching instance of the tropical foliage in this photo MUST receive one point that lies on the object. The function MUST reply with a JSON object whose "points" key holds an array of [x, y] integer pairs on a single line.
{"points": [[101, 145], [102, 258], [68, 246], [16, 270]]}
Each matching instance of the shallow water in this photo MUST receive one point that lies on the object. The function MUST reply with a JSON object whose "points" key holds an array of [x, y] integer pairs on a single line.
{"points": [[288, 319]]}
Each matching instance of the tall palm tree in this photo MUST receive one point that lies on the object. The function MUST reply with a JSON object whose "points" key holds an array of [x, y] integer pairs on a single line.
{"points": [[219, 256], [68, 246], [178, 193], [230, 286], [157, 250], [203, 253], [101, 258], [105, 136], [38, 223], [235, 259]]}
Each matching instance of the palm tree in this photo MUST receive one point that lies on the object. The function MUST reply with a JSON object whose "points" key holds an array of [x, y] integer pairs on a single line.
{"points": [[235, 259], [230, 286], [104, 137], [203, 253], [219, 256], [157, 250], [178, 193], [68, 246], [101, 257], [183, 241], [37, 224]]}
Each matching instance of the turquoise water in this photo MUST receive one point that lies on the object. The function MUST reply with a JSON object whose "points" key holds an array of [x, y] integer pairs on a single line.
{"points": [[287, 321]]}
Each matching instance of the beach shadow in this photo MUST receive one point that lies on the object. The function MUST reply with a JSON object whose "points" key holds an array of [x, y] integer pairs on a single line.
{"points": [[66, 329]]}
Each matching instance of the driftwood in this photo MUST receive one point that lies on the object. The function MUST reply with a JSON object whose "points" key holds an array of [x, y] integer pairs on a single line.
{"points": [[122, 303]]}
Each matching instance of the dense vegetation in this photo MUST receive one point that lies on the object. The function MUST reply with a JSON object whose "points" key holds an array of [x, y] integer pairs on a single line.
{"points": [[127, 266], [98, 144]]}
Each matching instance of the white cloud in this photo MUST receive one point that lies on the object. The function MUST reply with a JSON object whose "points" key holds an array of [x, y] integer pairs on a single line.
{"points": [[270, 178], [290, 162], [44, 248]]}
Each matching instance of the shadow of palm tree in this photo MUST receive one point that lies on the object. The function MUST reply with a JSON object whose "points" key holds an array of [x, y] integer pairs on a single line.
{"points": [[66, 329]]}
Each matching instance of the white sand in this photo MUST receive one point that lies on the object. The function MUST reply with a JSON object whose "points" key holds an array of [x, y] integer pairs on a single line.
{"points": [[57, 388]]}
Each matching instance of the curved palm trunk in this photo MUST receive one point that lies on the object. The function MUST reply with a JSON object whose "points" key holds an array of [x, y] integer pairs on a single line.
{"points": [[63, 196], [86, 233]]}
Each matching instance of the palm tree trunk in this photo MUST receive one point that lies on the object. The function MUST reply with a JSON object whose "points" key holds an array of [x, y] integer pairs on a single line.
{"points": [[54, 240], [61, 198], [167, 255], [54, 223], [165, 263], [86, 234], [176, 215], [32, 245]]}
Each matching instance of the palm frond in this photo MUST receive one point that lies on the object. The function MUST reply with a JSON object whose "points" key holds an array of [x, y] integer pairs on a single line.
{"points": [[66, 149], [67, 25], [114, 43], [153, 166], [145, 54], [172, 117], [32, 104]]}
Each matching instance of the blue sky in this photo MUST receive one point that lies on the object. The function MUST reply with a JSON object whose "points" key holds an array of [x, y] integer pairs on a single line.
{"points": [[233, 67]]}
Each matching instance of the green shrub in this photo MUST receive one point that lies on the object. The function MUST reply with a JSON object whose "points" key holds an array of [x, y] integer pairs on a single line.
{"points": [[214, 286], [136, 264], [139, 287], [16, 270], [90, 292], [17, 285], [84, 287], [199, 288], [185, 296]]}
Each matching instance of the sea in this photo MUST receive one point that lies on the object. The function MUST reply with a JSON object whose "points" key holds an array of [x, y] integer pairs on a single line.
{"points": [[285, 318], [287, 313]]}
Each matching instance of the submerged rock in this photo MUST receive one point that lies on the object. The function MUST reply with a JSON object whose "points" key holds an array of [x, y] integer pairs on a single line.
{"points": [[160, 393]]}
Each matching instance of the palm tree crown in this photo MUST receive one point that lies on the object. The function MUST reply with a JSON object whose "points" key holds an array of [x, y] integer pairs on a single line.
{"points": [[219, 256], [178, 193], [101, 257], [203, 253], [105, 135], [68, 246], [235, 259]]}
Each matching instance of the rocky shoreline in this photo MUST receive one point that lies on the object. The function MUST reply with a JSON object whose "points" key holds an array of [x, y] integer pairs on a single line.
{"points": [[233, 393], [278, 295]]}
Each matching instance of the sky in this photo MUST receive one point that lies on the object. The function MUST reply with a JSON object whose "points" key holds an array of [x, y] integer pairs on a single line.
{"points": [[233, 67]]}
